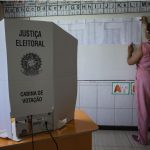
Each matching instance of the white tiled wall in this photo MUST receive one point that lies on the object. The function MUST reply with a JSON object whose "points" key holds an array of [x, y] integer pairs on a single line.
{"points": [[105, 97], [134, 117], [97, 100], [106, 116], [88, 96], [123, 117]]}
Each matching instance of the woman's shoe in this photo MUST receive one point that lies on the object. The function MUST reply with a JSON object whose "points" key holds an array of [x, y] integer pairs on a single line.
{"points": [[135, 137]]}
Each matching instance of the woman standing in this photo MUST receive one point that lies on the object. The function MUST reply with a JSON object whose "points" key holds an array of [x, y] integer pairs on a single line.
{"points": [[141, 58]]}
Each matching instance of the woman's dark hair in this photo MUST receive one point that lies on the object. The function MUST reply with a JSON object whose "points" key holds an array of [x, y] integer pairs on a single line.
{"points": [[148, 28]]}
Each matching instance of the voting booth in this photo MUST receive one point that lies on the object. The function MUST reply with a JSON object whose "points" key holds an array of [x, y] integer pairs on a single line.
{"points": [[38, 77]]}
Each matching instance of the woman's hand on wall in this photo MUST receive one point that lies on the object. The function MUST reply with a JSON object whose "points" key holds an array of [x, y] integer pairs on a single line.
{"points": [[130, 48]]}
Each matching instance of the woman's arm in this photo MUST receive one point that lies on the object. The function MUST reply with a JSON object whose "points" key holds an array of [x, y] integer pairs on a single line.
{"points": [[134, 56]]}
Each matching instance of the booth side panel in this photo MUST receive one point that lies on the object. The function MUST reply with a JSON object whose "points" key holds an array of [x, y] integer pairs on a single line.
{"points": [[65, 76], [5, 120]]}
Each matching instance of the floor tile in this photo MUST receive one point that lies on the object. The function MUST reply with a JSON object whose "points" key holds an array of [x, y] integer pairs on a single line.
{"points": [[139, 148], [116, 140], [98, 148], [93, 137], [112, 148], [112, 138]]}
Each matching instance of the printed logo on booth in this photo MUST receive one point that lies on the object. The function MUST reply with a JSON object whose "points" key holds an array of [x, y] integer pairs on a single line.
{"points": [[31, 64]]}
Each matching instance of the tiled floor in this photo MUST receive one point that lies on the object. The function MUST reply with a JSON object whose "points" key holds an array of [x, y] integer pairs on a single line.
{"points": [[116, 140]]}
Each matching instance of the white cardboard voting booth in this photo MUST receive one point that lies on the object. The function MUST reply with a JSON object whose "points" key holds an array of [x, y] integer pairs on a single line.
{"points": [[38, 76]]}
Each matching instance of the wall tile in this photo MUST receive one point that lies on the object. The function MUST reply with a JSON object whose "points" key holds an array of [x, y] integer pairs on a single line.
{"points": [[134, 102], [105, 97], [123, 101], [88, 96], [123, 117], [78, 98], [134, 117], [105, 117]]}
